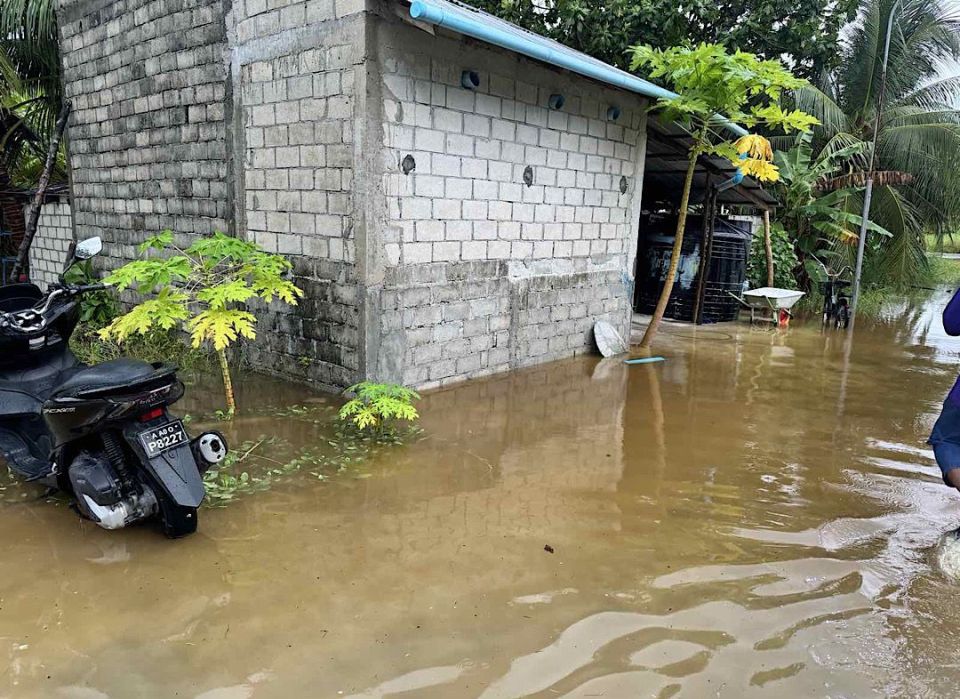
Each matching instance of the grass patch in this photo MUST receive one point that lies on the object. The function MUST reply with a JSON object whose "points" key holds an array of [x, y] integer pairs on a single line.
{"points": [[946, 244], [155, 346], [943, 272]]}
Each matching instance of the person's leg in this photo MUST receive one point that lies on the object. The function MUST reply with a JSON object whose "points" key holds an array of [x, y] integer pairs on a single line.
{"points": [[952, 477], [945, 440], [947, 454]]}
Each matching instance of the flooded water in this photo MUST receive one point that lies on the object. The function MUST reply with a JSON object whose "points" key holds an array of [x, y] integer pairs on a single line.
{"points": [[757, 514]]}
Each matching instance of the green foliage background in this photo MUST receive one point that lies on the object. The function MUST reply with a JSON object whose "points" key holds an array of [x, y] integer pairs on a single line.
{"points": [[804, 32], [784, 260]]}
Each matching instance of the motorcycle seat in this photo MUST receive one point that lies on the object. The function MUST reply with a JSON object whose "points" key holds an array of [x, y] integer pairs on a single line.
{"points": [[117, 374], [33, 383]]}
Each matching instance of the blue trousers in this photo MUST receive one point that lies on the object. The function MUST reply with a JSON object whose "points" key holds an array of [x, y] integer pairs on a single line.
{"points": [[945, 439]]}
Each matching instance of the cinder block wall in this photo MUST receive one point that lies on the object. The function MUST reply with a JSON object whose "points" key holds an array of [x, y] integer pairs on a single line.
{"points": [[299, 71], [50, 244], [203, 115], [286, 122], [484, 272], [147, 136]]}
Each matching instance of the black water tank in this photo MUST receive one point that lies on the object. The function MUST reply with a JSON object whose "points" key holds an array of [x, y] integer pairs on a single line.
{"points": [[728, 268]]}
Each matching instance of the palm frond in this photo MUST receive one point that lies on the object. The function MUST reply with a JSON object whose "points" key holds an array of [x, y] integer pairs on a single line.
{"points": [[815, 101]]}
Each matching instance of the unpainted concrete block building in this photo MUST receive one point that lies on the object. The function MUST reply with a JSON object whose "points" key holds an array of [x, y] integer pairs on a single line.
{"points": [[440, 231]]}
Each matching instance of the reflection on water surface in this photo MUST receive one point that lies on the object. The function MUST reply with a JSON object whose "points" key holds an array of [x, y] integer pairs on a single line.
{"points": [[756, 514]]}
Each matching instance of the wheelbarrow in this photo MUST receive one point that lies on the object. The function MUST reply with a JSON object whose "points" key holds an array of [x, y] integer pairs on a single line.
{"points": [[769, 304]]}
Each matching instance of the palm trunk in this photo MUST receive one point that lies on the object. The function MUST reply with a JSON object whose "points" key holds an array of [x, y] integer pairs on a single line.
{"points": [[33, 211], [227, 383], [768, 246], [675, 255]]}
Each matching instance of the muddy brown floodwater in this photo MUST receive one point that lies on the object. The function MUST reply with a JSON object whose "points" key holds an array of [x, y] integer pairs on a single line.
{"points": [[754, 515]]}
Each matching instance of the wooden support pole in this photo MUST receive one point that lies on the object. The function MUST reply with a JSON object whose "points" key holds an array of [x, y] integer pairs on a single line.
{"points": [[768, 246], [706, 248]]}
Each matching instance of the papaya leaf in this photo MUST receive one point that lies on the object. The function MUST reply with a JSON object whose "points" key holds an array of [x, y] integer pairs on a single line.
{"points": [[221, 327], [167, 311], [232, 291], [161, 241]]}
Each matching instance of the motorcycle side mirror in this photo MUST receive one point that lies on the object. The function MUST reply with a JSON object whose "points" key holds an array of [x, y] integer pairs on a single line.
{"points": [[88, 248]]}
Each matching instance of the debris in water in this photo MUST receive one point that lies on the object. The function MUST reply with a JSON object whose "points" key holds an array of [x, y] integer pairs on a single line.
{"points": [[948, 555], [644, 360], [608, 339], [548, 548]]}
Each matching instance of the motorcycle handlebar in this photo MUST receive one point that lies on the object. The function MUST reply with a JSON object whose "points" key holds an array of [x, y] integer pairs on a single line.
{"points": [[54, 294], [87, 288]]}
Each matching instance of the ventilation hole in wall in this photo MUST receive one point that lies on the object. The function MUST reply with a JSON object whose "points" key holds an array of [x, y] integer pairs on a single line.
{"points": [[528, 175], [613, 113], [408, 164], [623, 185], [470, 79], [556, 101]]}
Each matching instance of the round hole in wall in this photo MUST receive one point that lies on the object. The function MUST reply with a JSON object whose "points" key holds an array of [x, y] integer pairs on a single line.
{"points": [[408, 164], [528, 175], [623, 184], [556, 101], [613, 113], [470, 79]]}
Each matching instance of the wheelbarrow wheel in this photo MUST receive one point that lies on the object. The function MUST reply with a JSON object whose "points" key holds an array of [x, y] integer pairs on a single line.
{"points": [[843, 318]]}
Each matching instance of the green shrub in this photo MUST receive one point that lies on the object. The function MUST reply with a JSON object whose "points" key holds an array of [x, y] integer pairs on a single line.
{"points": [[784, 260], [153, 346], [98, 308]]}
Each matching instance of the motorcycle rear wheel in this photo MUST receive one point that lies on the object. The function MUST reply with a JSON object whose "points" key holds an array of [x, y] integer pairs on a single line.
{"points": [[177, 521]]}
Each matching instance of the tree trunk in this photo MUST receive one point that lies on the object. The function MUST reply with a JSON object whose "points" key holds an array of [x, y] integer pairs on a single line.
{"points": [[227, 383], [675, 255], [33, 211], [768, 246]]}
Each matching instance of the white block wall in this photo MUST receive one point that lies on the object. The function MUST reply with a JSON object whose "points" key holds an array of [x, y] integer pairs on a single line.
{"points": [[49, 249], [486, 273], [466, 200]]}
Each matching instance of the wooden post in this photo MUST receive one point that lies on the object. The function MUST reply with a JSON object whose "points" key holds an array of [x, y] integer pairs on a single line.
{"points": [[706, 250], [33, 211], [768, 246]]}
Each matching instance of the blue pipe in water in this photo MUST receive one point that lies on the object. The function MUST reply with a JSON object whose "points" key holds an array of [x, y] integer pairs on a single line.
{"points": [[644, 360], [503, 34]]}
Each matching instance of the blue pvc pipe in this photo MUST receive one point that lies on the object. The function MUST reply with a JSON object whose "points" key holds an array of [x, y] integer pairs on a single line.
{"points": [[645, 360], [733, 181], [486, 28]]}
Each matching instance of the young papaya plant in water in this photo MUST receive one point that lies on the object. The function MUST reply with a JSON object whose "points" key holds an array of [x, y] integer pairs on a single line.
{"points": [[710, 81], [202, 288], [376, 405]]}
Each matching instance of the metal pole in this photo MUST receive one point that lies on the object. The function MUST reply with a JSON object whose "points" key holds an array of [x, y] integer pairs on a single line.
{"points": [[868, 193]]}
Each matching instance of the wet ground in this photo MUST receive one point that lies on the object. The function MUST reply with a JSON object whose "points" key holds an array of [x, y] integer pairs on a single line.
{"points": [[755, 515]]}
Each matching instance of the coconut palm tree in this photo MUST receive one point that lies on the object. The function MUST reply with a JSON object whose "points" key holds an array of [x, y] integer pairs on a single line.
{"points": [[31, 92], [918, 142]]}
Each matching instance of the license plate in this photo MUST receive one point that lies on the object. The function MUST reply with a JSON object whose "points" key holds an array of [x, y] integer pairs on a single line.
{"points": [[158, 439]]}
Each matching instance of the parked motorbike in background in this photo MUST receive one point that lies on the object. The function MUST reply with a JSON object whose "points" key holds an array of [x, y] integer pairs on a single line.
{"points": [[836, 299], [101, 433]]}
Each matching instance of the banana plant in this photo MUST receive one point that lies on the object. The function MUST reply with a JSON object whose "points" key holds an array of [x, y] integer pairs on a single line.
{"points": [[818, 215]]}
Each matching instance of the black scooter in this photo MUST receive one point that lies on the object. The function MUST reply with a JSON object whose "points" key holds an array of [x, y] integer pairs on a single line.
{"points": [[102, 433]]}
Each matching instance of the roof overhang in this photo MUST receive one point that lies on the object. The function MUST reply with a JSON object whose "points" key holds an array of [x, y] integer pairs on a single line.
{"points": [[667, 167], [668, 147], [480, 25]]}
